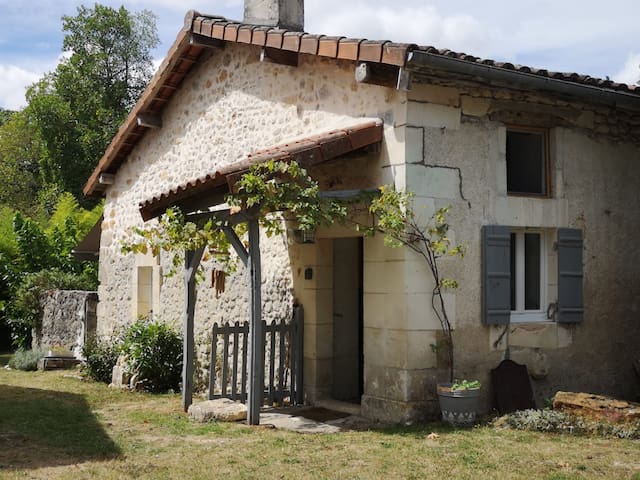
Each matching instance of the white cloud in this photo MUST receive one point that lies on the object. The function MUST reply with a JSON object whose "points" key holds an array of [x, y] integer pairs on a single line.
{"points": [[422, 24], [630, 73], [15, 81]]}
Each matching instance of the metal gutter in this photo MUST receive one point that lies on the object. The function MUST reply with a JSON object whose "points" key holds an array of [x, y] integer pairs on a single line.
{"points": [[416, 60]]}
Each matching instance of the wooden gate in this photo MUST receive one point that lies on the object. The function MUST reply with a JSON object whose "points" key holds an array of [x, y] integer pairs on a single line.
{"points": [[283, 360]]}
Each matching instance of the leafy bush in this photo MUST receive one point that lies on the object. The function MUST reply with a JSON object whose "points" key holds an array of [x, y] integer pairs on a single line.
{"points": [[560, 422], [26, 359], [101, 355], [154, 352]]}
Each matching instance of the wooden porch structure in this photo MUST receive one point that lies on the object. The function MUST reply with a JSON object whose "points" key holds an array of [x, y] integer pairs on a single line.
{"points": [[198, 200]]}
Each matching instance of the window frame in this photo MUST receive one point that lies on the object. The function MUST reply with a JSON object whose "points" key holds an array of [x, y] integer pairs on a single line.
{"points": [[546, 149], [520, 315]]}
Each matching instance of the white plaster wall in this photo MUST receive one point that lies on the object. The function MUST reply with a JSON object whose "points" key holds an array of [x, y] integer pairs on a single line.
{"points": [[595, 174]]}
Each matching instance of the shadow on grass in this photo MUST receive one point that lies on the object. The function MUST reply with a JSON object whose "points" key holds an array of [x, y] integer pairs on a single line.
{"points": [[44, 428]]}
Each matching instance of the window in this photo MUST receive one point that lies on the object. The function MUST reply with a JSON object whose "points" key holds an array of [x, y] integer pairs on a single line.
{"points": [[527, 162], [516, 286], [145, 291], [528, 276]]}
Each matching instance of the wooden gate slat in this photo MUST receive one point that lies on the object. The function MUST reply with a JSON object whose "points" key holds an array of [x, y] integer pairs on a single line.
{"points": [[225, 361], [282, 329], [212, 365], [284, 340], [272, 361], [245, 334], [234, 375]]}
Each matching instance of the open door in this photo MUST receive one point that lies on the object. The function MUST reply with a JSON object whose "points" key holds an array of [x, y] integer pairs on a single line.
{"points": [[348, 360]]}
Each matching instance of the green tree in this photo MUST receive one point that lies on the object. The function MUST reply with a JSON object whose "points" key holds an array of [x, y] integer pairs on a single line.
{"points": [[78, 108], [36, 256], [5, 115], [20, 153]]}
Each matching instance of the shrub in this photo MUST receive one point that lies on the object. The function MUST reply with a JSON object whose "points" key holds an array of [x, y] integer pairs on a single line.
{"points": [[154, 352], [26, 359], [559, 422], [101, 356]]}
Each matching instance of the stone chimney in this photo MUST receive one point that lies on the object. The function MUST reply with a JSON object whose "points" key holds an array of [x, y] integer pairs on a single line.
{"points": [[286, 14]]}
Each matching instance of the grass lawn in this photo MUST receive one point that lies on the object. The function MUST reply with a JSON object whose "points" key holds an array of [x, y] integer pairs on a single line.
{"points": [[57, 427]]}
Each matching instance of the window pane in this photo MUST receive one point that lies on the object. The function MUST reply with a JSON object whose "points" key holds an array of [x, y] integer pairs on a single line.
{"points": [[513, 271], [532, 271], [526, 168]]}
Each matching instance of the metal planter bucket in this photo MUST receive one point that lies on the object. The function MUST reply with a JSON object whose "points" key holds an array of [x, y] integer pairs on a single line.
{"points": [[459, 407]]}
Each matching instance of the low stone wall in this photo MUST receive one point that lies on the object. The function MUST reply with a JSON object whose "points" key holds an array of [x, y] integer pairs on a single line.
{"points": [[69, 317]]}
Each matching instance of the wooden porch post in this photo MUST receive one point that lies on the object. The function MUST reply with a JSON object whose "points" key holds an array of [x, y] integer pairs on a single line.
{"points": [[256, 337], [191, 262]]}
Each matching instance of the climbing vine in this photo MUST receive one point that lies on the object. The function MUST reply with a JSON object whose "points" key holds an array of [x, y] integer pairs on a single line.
{"points": [[278, 190], [401, 226], [266, 189]]}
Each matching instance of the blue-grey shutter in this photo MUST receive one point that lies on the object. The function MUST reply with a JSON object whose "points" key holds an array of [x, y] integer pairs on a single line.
{"points": [[496, 275], [570, 273]]}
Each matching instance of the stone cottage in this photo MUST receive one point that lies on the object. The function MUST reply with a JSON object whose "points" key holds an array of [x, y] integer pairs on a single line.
{"points": [[541, 170]]}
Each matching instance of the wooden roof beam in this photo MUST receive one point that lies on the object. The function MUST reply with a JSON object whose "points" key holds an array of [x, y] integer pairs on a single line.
{"points": [[149, 120], [196, 40]]}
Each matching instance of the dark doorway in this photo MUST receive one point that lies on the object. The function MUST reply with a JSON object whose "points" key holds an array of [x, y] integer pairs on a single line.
{"points": [[348, 360]]}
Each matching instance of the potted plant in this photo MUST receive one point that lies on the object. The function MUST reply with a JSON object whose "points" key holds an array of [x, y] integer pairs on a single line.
{"points": [[459, 402]]}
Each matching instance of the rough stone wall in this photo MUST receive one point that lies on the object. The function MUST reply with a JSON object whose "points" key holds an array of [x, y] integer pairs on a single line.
{"points": [[69, 317], [228, 107]]}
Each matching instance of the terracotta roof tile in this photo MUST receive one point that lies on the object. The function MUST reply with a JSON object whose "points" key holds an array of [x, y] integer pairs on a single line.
{"points": [[260, 36], [310, 44], [291, 41], [349, 48], [182, 56], [245, 33], [274, 38], [217, 30], [371, 51], [328, 46], [307, 152], [231, 32]]}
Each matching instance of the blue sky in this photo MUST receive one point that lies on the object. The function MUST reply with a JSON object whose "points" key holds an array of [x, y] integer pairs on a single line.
{"points": [[600, 39]]}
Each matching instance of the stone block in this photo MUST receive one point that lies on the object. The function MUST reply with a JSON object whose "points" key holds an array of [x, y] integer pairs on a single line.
{"points": [[374, 250], [420, 315], [524, 211], [434, 182], [565, 336], [597, 407], [318, 374], [385, 310], [534, 335], [219, 410], [318, 340], [418, 278], [384, 277], [120, 378], [398, 412], [475, 106], [385, 347], [420, 352], [435, 94], [322, 277], [414, 145], [433, 116]]}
